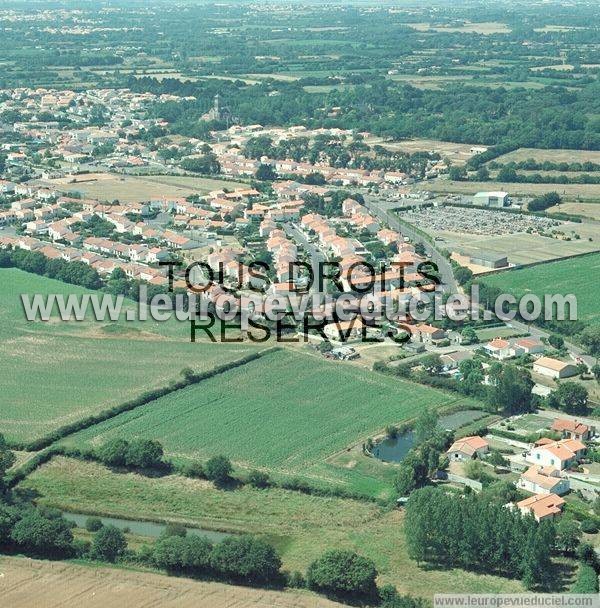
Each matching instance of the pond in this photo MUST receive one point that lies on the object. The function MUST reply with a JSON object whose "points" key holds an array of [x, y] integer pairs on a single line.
{"points": [[395, 450], [141, 528]]}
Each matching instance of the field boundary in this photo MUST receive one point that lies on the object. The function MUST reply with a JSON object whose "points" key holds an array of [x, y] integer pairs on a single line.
{"points": [[538, 263], [47, 440]]}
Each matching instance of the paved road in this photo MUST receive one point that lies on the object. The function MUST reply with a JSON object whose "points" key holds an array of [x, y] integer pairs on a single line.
{"points": [[538, 333], [379, 208], [317, 257]]}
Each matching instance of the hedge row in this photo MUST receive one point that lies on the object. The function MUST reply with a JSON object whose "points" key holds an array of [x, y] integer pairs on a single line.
{"points": [[143, 399]]}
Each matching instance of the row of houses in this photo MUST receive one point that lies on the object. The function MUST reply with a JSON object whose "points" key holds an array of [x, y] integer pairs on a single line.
{"points": [[502, 349], [549, 460], [103, 265], [236, 165]]}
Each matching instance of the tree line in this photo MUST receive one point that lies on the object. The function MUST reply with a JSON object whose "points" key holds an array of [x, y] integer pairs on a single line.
{"points": [[41, 532], [478, 534]]}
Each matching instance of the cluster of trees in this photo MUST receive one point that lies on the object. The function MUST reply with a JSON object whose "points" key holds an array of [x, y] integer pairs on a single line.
{"points": [[75, 273], [331, 204], [532, 165], [590, 338], [550, 118], [477, 533], [508, 391], [139, 453], [426, 457], [206, 164], [338, 152], [545, 201], [570, 397], [510, 175], [241, 558]]}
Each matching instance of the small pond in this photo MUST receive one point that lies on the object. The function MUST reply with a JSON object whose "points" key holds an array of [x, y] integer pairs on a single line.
{"points": [[394, 450], [141, 528]]}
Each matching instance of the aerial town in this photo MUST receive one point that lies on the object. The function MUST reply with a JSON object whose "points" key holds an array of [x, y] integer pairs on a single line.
{"points": [[379, 380]]}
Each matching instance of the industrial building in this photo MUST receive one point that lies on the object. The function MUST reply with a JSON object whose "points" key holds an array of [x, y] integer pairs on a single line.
{"points": [[489, 259], [491, 199]]}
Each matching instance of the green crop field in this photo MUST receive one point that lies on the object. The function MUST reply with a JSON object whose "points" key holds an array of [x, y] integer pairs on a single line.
{"points": [[576, 276], [286, 411], [56, 372], [300, 526]]}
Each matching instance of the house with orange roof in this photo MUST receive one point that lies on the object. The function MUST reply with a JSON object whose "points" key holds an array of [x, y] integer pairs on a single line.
{"points": [[468, 448], [500, 349], [387, 236], [558, 454], [543, 480], [573, 429], [530, 346], [542, 506], [553, 368]]}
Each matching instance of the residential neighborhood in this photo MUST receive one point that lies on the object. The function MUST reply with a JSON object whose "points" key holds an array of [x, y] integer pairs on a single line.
{"points": [[300, 304]]}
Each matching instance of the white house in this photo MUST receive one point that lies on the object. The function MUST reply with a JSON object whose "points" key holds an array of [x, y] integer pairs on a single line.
{"points": [[468, 448], [6, 187], [530, 346], [558, 454], [499, 349], [543, 480], [553, 368], [37, 227], [426, 333]]}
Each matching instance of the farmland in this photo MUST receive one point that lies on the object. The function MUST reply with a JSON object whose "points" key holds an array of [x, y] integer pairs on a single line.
{"points": [[564, 277], [523, 248], [300, 526], [57, 372], [132, 188], [555, 156], [458, 153], [29, 582], [569, 192], [286, 411], [589, 210]]}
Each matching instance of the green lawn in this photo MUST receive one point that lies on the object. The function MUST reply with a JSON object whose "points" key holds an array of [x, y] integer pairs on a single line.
{"points": [[578, 276], [286, 411], [487, 334], [56, 372], [301, 527]]}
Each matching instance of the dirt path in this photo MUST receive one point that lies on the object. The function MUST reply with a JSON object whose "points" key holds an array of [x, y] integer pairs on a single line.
{"points": [[25, 583]]}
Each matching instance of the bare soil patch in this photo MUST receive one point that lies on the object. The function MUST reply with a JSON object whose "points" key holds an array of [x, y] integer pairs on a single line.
{"points": [[26, 582]]}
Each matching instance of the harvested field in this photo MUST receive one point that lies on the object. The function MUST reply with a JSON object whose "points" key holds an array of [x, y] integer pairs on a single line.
{"points": [[555, 156], [458, 153], [591, 210], [132, 188], [520, 248], [569, 192], [26, 582]]}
